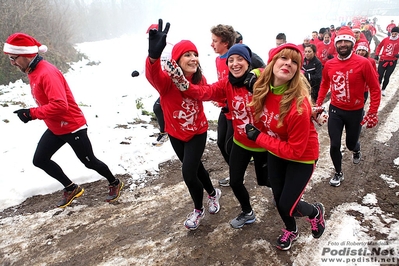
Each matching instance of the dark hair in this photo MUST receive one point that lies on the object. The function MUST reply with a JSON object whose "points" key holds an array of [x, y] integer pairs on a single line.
{"points": [[281, 36], [312, 46], [238, 37], [226, 34], [197, 76]]}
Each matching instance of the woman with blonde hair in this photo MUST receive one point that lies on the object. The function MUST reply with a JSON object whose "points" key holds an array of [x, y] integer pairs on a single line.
{"points": [[282, 104]]}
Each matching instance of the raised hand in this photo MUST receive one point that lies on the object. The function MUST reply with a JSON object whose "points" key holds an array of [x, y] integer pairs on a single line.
{"points": [[157, 40]]}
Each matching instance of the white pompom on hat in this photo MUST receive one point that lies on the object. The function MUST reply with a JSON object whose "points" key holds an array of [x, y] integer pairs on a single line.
{"points": [[345, 33], [23, 44]]}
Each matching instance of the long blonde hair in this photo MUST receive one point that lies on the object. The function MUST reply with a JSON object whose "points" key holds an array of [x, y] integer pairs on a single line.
{"points": [[298, 87]]}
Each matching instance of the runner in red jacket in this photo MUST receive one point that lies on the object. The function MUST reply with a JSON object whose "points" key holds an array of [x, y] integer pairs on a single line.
{"points": [[325, 49], [63, 117], [346, 77], [387, 54]]}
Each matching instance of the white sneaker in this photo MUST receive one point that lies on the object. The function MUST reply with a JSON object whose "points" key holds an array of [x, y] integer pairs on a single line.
{"points": [[225, 182], [337, 179], [162, 138], [194, 218], [213, 202], [383, 93]]}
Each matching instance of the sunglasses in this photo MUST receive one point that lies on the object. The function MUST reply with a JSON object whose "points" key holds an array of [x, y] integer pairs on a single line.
{"points": [[13, 58]]}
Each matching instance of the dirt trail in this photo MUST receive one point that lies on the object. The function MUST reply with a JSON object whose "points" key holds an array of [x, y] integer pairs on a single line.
{"points": [[146, 226]]}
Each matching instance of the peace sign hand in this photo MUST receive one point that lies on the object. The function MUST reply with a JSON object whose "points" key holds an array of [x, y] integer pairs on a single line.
{"points": [[157, 40]]}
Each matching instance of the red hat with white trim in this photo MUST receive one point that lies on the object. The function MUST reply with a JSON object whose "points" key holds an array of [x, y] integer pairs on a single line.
{"points": [[23, 44], [362, 47], [152, 26], [345, 33]]}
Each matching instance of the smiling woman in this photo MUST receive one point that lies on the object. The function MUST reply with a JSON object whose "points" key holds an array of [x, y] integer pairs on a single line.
{"points": [[281, 100], [185, 120], [235, 90]]}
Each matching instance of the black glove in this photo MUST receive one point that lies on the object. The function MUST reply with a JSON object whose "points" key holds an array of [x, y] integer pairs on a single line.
{"points": [[397, 56], [225, 109], [250, 80], [24, 115], [377, 57], [135, 73], [330, 56], [157, 40], [252, 132]]}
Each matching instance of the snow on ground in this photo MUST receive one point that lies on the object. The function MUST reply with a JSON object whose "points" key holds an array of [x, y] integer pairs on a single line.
{"points": [[110, 97]]}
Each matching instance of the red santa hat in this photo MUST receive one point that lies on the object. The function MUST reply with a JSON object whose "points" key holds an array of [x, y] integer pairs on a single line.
{"points": [[23, 44], [345, 33], [362, 47], [182, 47], [152, 26]]}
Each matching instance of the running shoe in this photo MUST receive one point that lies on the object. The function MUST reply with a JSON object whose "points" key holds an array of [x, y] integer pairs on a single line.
{"points": [[356, 157], [114, 192], [337, 179], [318, 223], [213, 202], [162, 138], [242, 219], [225, 182], [69, 196], [194, 218], [285, 240]]}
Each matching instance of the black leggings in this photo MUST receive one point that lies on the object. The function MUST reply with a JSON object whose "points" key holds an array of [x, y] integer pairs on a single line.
{"points": [[337, 120], [385, 72], [80, 143], [288, 180], [157, 108], [194, 174], [239, 161], [225, 136]]}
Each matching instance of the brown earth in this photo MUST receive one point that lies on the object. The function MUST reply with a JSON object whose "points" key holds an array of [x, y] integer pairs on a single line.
{"points": [[145, 227]]}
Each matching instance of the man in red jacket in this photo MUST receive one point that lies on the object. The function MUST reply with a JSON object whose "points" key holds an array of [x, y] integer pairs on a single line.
{"points": [[387, 52], [390, 27], [63, 117], [346, 77]]}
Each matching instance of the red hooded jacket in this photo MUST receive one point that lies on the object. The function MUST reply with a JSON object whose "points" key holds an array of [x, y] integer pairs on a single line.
{"points": [[57, 106]]}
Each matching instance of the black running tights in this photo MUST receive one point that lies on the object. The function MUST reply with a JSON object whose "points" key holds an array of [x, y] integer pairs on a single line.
{"points": [[337, 120], [194, 174], [239, 160], [157, 108], [81, 145], [225, 136], [289, 180]]}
